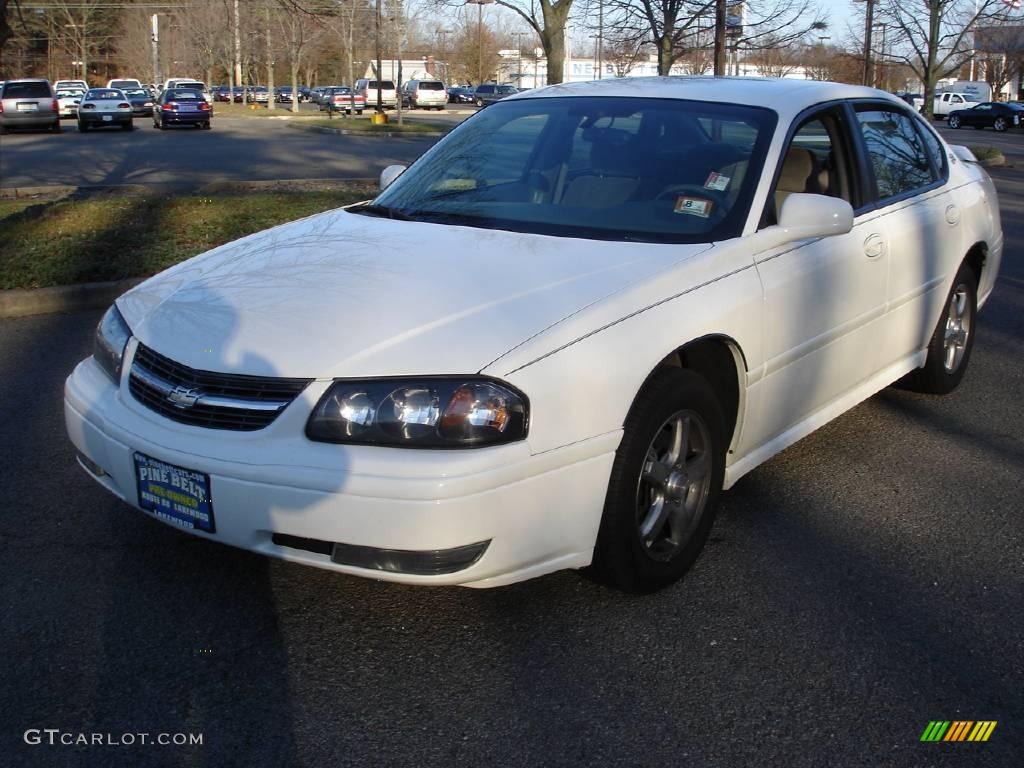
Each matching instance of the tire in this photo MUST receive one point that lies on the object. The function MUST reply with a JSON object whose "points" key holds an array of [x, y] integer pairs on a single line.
{"points": [[640, 546], [948, 357], [55, 128], [207, 126], [82, 126], [480, 103], [128, 126], [162, 125], [1000, 124], [954, 121], [359, 111]]}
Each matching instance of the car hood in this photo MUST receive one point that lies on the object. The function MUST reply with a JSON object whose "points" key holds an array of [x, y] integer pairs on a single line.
{"points": [[340, 294]]}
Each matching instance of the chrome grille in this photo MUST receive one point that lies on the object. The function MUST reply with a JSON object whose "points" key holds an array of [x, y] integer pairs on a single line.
{"points": [[208, 399]]}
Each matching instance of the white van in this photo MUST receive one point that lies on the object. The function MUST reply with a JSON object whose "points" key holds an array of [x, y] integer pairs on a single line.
{"points": [[188, 82], [368, 89], [122, 84], [424, 94]]}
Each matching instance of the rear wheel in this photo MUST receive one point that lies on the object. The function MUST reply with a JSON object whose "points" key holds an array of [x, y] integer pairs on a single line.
{"points": [[129, 126], [55, 128], [1000, 124], [207, 126], [82, 126], [664, 486], [479, 102], [954, 121], [950, 347]]}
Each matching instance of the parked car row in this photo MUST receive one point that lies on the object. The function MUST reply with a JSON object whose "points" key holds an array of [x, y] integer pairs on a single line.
{"points": [[34, 103]]}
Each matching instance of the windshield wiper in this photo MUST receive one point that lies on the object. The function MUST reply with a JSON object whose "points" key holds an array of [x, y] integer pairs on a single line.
{"points": [[373, 209]]}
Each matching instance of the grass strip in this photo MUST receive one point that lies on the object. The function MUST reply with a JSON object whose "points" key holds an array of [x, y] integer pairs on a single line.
{"points": [[111, 237]]}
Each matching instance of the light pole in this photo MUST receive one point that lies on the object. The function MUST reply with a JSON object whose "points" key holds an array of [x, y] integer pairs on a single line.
{"points": [[480, 35], [519, 58], [444, 50]]}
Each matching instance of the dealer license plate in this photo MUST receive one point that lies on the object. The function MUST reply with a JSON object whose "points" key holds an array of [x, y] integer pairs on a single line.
{"points": [[174, 494]]}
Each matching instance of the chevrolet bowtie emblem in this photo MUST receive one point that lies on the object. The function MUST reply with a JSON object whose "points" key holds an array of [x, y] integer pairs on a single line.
{"points": [[183, 397]]}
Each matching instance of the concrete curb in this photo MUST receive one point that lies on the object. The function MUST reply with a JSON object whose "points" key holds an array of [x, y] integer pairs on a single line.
{"points": [[384, 134], [59, 190], [21, 302]]}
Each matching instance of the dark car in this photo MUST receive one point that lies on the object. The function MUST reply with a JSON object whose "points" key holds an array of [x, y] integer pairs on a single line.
{"points": [[182, 106], [28, 103], [489, 93], [141, 100], [221, 93], [989, 114], [459, 95]]}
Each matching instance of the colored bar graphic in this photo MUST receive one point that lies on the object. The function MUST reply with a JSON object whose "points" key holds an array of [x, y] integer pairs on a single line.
{"points": [[958, 730], [935, 730]]}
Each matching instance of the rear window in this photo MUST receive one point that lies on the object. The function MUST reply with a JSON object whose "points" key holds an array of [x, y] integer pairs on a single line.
{"points": [[184, 95], [102, 94], [386, 85], [197, 86], [35, 90], [431, 85]]}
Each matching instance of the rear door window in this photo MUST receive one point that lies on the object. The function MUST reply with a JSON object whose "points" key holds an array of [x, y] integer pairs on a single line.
{"points": [[896, 152]]}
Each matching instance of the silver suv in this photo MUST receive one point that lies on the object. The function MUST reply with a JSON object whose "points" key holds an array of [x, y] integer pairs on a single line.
{"points": [[424, 94], [28, 103]]}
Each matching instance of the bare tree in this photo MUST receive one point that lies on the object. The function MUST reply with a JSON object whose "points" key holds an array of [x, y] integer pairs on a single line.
{"points": [[934, 36], [676, 27]]}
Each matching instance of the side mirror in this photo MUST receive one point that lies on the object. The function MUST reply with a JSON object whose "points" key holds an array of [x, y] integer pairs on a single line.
{"points": [[389, 174], [806, 216]]}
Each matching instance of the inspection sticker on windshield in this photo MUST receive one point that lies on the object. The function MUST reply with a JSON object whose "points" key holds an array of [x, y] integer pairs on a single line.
{"points": [[695, 206], [717, 182]]}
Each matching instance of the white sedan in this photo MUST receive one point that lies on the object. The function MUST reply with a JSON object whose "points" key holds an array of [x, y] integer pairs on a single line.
{"points": [[104, 108], [552, 341]]}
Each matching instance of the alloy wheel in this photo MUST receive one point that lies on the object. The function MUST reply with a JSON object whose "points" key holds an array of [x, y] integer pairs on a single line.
{"points": [[958, 328], [672, 492]]}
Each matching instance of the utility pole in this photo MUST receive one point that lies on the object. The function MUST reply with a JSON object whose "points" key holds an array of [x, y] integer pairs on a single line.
{"points": [[719, 38], [155, 42], [868, 76], [237, 49], [270, 61], [380, 98], [479, 36], [600, 39], [398, 80]]}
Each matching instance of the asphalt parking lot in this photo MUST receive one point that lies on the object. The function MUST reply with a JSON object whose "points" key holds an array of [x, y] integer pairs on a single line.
{"points": [[184, 159], [864, 582]]}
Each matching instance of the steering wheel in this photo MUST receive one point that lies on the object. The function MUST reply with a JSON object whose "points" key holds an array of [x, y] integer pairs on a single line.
{"points": [[717, 197]]}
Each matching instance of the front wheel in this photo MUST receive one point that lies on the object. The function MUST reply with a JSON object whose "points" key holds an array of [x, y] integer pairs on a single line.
{"points": [[1000, 124], [954, 121], [480, 102], [665, 484], [950, 347]]}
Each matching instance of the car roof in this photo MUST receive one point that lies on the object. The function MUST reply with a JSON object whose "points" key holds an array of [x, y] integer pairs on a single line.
{"points": [[787, 96]]}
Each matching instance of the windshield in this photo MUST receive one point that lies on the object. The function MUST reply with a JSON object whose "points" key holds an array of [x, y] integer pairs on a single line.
{"points": [[655, 170]]}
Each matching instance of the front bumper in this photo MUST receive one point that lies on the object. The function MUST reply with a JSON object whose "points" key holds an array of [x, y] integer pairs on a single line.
{"points": [[540, 513]]}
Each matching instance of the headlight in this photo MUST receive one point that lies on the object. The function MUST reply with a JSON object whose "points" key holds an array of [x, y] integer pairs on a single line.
{"points": [[112, 336], [420, 413]]}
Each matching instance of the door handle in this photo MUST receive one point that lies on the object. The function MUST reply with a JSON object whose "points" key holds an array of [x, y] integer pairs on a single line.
{"points": [[874, 246], [952, 214]]}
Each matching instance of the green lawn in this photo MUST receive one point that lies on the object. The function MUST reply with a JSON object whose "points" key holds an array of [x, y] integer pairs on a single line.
{"points": [[110, 237]]}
